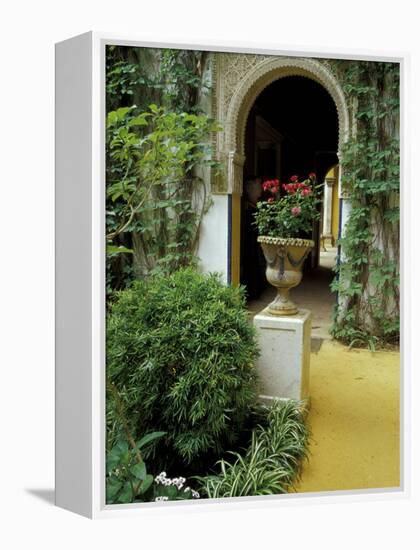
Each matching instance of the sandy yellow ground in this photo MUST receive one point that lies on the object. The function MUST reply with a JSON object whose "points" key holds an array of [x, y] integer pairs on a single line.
{"points": [[354, 418]]}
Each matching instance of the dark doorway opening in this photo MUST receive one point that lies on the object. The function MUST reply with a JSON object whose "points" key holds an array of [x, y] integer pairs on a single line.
{"points": [[292, 128]]}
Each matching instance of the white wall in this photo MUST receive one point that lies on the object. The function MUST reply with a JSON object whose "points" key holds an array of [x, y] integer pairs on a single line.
{"points": [[213, 245]]}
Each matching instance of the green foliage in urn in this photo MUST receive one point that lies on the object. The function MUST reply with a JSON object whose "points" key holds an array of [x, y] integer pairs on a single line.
{"points": [[272, 461], [290, 210], [180, 353]]}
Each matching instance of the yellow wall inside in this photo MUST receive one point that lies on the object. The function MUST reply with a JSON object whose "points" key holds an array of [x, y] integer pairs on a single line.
{"points": [[333, 173], [335, 208]]}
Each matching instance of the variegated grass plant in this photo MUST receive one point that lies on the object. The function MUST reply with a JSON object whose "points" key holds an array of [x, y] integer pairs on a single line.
{"points": [[271, 463]]}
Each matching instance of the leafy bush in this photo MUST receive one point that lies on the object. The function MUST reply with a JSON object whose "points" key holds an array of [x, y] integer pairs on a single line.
{"points": [[158, 147], [127, 478], [180, 353], [155, 199], [270, 464]]}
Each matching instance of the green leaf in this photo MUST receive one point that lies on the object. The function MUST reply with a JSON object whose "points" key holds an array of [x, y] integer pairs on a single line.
{"points": [[149, 438], [113, 487], [121, 447], [112, 460], [148, 480], [122, 111], [126, 494], [112, 249], [140, 120], [139, 470]]}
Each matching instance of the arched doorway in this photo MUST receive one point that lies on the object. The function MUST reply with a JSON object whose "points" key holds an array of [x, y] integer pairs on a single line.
{"points": [[237, 81], [240, 79], [291, 129]]}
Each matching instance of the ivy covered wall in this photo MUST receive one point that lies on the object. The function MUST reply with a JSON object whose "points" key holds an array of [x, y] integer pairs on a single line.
{"points": [[368, 275], [161, 233], [158, 143]]}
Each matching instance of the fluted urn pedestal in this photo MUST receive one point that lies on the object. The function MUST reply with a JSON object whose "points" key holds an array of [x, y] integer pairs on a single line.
{"points": [[285, 258]]}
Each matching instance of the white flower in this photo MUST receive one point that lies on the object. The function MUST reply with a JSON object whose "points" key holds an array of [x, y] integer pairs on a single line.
{"points": [[161, 499], [195, 494], [178, 482], [161, 478]]}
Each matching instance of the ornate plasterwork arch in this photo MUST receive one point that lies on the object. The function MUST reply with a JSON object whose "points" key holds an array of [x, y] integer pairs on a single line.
{"points": [[239, 79]]}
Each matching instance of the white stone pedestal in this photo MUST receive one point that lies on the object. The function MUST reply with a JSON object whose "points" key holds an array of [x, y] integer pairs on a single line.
{"points": [[285, 344]]}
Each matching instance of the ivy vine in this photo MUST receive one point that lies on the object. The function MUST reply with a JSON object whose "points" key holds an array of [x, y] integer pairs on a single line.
{"points": [[158, 144], [367, 282]]}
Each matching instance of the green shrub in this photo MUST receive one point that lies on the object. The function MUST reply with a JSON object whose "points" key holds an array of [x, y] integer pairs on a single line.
{"points": [[272, 461], [181, 352], [128, 480]]}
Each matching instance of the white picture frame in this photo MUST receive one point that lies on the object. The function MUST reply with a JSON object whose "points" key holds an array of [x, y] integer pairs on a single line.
{"points": [[80, 277]]}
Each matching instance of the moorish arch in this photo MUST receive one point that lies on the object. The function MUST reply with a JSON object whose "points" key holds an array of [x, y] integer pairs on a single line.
{"points": [[249, 87], [238, 80]]}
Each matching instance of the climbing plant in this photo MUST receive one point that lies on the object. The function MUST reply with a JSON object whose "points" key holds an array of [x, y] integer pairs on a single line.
{"points": [[367, 312], [158, 144], [157, 196]]}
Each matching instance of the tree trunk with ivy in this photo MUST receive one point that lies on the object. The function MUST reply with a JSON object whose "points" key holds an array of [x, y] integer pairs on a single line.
{"points": [[368, 275], [163, 233]]}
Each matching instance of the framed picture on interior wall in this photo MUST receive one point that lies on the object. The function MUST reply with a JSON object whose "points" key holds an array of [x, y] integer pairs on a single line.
{"points": [[228, 275]]}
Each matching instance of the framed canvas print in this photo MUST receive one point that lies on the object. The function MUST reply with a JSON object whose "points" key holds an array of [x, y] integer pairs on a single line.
{"points": [[228, 275]]}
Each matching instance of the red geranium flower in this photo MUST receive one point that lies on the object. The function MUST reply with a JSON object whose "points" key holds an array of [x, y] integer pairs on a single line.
{"points": [[294, 178], [272, 186], [290, 187]]}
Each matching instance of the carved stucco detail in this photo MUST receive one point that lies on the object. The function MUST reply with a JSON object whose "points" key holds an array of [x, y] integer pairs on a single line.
{"points": [[235, 172], [265, 73], [239, 79], [232, 68], [229, 69]]}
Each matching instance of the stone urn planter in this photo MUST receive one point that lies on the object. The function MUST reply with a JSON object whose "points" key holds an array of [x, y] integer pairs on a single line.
{"points": [[284, 259]]}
